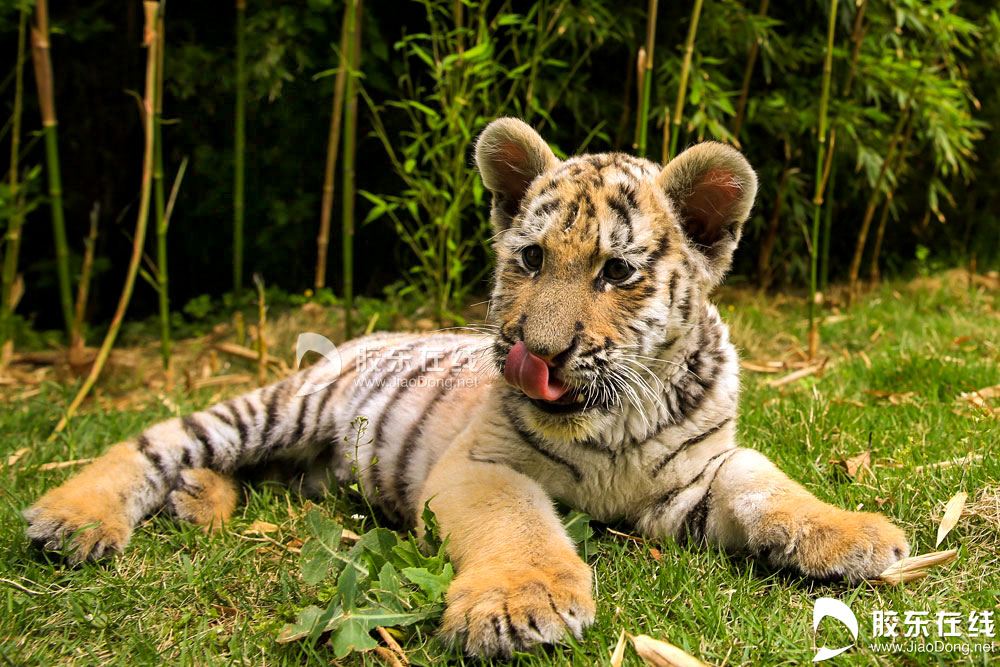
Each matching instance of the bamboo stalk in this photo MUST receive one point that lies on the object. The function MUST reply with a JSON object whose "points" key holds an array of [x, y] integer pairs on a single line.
{"points": [[859, 246], [741, 105], [685, 70], [818, 197], [352, 54], [332, 145], [824, 246], [764, 274], [41, 57], [824, 259], [857, 36], [150, 7], [458, 16], [626, 105], [83, 287], [873, 273], [162, 273], [239, 156], [640, 73], [261, 331], [8, 299], [647, 83]]}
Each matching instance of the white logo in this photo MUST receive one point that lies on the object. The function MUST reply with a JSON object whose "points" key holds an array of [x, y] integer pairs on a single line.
{"points": [[835, 609], [314, 342]]}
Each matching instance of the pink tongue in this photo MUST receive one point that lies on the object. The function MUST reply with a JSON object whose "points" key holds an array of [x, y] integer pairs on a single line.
{"points": [[530, 374]]}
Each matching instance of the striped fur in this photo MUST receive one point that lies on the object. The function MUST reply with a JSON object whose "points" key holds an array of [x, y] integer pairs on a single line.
{"points": [[649, 434]]}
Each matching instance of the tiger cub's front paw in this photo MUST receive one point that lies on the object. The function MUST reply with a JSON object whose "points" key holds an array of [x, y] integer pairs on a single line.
{"points": [[499, 610], [203, 497], [85, 526], [830, 542]]}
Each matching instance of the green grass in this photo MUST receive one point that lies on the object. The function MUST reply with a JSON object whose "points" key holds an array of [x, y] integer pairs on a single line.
{"points": [[181, 597]]}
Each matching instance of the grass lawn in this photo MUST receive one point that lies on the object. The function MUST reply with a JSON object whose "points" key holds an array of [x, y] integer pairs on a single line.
{"points": [[898, 361]]}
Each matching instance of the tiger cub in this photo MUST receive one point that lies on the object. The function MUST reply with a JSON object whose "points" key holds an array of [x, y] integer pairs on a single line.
{"points": [[608, 382]]}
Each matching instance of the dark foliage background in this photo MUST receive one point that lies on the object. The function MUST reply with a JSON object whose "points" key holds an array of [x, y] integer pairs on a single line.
{"points": [[945, 203]]}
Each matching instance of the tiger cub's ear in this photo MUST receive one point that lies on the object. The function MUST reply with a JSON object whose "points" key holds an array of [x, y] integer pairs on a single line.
{"points": [[510, 155], [711, 187]]}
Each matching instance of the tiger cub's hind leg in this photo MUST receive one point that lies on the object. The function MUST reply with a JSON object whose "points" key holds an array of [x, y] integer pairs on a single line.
{"points": [[203, 497]]}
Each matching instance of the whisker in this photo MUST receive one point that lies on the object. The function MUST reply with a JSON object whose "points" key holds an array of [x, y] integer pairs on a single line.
{"points": [[653, 375], [684, 367], [621, 373], [479, 330]]}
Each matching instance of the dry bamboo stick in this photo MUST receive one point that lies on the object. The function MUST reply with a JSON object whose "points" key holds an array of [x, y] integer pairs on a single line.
{"points": [[685, 70], [41, 57], [647, 80], [151, 9], [333, 144], [813, 336], [741, 105]]}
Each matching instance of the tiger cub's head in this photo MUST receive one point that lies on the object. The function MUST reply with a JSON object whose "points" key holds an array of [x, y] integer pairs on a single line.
{"points": [[603, 260]]}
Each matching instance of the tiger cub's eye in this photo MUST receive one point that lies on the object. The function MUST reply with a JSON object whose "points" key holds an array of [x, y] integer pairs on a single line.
{"points": [[532, 257], [617, 270]]}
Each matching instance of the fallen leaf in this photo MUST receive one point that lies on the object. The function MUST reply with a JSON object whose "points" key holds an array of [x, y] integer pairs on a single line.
{"points": [[895, 579], [915, 567], [961, 339], [952, 513], [895, 398], [13, 458], [882, 501], [849, 401], [226, 611], [619, 653], [798, 375], [659, 653], [856, 466], [260, 527], [655, 553], [349, 536], [984, 399]]}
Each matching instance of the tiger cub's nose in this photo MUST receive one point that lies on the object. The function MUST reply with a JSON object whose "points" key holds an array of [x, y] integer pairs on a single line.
{"points": [[554, 359]]}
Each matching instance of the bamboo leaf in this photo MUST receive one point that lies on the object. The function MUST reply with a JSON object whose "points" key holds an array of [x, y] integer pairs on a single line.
{"points": [[915, 567], [658, 653], [619, 653], [952, 513]]}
